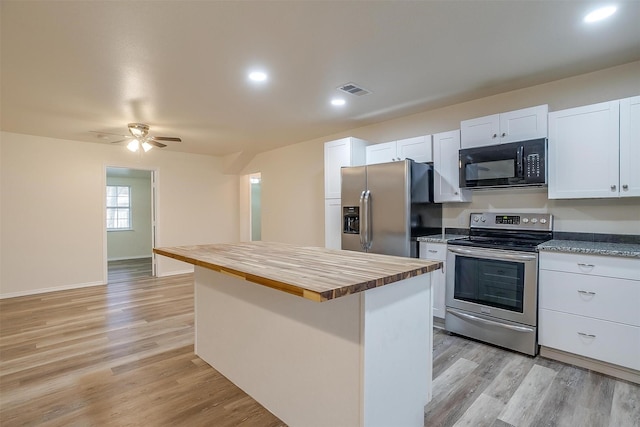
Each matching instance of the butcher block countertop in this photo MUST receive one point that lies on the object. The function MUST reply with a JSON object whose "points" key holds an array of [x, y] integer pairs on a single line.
{"points": [[314, 273]]}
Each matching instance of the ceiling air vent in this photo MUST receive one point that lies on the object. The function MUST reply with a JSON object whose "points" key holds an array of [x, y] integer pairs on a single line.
{"points": [[354, 89]]}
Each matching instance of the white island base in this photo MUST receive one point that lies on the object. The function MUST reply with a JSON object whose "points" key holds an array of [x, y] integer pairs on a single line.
{"points": [[359, 360]]}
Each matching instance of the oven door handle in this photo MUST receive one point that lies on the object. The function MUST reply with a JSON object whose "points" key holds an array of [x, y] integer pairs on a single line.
{"points": [[487, 254], [488, 322]]}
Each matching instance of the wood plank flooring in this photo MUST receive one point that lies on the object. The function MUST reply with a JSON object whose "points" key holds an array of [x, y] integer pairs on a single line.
{"points": [[476, 384], [128, 269], [122, 354]]}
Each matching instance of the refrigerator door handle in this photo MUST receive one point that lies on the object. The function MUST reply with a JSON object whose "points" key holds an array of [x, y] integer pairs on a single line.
{"points": [[363, 222], [367, 222]]}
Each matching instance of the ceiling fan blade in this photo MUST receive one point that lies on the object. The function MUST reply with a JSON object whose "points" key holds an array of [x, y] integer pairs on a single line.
{"points": [[152, 141], [167, 138], [120, 140], [109, 133]]}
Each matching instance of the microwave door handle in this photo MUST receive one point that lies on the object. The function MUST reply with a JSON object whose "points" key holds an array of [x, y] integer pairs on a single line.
{"points": [[519, 162]]}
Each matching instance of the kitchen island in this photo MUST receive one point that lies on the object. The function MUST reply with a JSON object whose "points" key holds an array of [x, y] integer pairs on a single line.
{"points": [[319, 337]]}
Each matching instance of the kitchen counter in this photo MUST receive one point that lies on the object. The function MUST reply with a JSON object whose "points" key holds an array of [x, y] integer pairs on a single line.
{"points": [[362, 357], [314, 273], [631, 250], [440, 238]]}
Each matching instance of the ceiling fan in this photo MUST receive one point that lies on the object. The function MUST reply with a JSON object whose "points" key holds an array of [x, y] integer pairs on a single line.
{"points": [[141, 138]]}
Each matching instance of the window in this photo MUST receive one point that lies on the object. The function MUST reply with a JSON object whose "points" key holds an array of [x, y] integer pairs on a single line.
{"points": [[118, 207]]}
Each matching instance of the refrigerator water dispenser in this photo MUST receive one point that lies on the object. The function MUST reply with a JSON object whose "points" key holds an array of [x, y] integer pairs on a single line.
{"points": [[351, 220]]}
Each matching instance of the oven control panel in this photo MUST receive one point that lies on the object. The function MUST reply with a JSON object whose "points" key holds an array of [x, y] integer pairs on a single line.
{"points": [[520, 221]]}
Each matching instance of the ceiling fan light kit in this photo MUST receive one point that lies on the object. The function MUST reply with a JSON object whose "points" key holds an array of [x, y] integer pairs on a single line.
{"points": [[135, 145]]}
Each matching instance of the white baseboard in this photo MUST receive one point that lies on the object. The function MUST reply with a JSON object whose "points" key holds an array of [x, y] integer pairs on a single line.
{"points": [[129, 257], [621, 372], [175, 273], [52, 289]]}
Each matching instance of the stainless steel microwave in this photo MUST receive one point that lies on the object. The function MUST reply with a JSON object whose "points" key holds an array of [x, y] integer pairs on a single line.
{"points": [[515, 164]]}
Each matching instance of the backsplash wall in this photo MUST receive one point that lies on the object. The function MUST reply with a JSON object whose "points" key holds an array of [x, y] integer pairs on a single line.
{"points": [[616, 216]]}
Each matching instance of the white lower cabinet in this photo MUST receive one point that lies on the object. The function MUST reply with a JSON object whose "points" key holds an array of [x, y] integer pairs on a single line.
{"points": [[610, 342], [589, 306], [436, 252]]}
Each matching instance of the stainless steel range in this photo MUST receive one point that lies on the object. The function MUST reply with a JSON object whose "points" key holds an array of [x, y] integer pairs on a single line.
{"points": [[492, 279]]}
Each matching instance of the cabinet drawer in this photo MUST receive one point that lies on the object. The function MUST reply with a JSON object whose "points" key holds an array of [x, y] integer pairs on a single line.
{"points": [[604, 298], [598, 339], [435, 251], [596, 265]]}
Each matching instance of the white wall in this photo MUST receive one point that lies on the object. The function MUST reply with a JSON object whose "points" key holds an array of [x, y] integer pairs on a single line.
{"points": [[52, 220], [51, 203], [292, 177], [136, 242]]}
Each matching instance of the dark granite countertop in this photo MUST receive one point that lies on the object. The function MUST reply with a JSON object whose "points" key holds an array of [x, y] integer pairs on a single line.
{"points": [[631, 250], [440, 238]]}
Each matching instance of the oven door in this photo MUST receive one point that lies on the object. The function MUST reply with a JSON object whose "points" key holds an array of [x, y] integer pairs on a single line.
{"points": [[493, 283]]}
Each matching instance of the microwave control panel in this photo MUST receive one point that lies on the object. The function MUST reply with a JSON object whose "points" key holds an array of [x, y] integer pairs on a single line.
{"points": [[533, 166]]}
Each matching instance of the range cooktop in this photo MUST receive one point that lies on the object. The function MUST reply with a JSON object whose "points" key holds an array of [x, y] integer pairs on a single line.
{"points": [[518, 232]]}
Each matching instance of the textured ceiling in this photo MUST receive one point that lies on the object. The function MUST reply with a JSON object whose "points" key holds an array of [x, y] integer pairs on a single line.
{"points": [[72, 67]]}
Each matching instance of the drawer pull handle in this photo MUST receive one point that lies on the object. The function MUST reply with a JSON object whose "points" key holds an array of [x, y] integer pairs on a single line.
{"points": [[432, 251], [586, 292], [582, 334], [581, 264]]}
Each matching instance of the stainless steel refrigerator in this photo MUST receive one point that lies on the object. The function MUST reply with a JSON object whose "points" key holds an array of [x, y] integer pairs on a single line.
{"points": [[385, 205]]}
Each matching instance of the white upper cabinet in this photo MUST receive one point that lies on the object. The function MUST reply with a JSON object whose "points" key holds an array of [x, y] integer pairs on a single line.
{"points": [[630, 147], [342, 152], [446, 184], [381, 153], [586, 151], [480, 132], [418, 149], [512, 126]]}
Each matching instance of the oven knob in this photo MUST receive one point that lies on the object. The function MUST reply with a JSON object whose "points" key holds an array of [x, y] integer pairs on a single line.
{"points": [[534, 220], [525, 220], [476, 218], [543, 221], [483, 218]]}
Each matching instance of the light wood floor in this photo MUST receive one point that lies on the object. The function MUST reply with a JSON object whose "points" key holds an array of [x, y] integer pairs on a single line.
{"points": [[122, 354], [128, 269]]}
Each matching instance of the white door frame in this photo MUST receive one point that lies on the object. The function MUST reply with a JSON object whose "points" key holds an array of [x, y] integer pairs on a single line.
{"points": [[154, 217]]}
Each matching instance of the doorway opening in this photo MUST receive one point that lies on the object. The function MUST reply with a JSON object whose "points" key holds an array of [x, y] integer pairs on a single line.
{"points": [[255, 211], [130, 224]]}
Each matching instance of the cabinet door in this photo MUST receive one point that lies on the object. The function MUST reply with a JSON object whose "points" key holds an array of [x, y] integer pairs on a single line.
{"points": [[381, 153], [418, 149], [480, 132], [521, 125], [446, 187], [436, 252], [630, 147], [339, 153], [584, 152], [332, 224]]}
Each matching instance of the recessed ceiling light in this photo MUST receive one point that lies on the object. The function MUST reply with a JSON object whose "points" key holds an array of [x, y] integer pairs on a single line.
{"points": [[338, 102], [258, 76], [600, 14]]}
